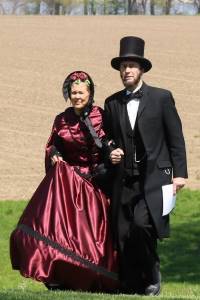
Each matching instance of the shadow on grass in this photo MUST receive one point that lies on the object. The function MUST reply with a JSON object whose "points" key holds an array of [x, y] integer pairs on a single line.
{"points": [[180, 255]]}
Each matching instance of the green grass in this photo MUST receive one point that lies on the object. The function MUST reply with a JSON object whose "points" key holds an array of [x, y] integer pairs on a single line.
{"points": [[180, 257]]}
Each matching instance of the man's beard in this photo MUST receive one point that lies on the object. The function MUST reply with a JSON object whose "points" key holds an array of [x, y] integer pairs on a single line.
{"points": [[133, 83]]}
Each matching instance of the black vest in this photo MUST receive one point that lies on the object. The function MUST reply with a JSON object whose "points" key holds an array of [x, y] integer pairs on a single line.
{"points": [[134, 150]]}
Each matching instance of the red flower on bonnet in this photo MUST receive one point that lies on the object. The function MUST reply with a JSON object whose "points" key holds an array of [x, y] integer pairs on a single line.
{"points": [[79, 76]]}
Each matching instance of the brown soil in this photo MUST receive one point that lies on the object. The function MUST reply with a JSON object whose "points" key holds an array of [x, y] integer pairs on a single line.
{"points": [[38, 52]]}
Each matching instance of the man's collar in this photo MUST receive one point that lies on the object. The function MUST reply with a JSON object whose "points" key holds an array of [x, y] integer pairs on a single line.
{"points": [[128, 92]]}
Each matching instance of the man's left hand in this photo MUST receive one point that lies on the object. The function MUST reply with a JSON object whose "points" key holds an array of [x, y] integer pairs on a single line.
{"points": [[178, 183]]}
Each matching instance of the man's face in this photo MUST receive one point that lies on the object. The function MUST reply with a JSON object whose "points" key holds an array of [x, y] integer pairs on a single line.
{"points": [[131, 73]]}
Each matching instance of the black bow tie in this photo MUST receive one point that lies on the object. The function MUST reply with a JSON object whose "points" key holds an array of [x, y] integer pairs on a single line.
{"points": [[131, 96]]}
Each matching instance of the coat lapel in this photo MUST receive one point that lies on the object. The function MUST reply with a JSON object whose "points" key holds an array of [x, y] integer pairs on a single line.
{"points": [[143, 100], [123, 114]]}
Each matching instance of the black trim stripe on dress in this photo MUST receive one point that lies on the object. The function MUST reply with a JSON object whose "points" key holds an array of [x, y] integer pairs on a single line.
{"points": [[26, 229]]}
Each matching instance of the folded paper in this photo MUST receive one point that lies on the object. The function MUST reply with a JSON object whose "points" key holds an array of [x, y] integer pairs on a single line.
{"points": [[169, 199]]}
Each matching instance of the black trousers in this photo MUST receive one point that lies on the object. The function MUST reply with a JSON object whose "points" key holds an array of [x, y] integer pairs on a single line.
{"points": [[139, 261]]}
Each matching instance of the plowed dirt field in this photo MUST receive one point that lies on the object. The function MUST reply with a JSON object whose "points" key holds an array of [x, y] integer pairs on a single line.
{"points": [[37, 52]]}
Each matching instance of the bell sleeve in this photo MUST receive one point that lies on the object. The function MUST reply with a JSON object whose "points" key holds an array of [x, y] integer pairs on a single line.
{"points": [[51, 146], [175, 137]]}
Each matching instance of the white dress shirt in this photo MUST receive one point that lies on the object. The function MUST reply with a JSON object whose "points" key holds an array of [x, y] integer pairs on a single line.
{"points": [[132, 106]]}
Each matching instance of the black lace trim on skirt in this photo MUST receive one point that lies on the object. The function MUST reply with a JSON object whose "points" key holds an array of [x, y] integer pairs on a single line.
{"points": [[101, 270]]}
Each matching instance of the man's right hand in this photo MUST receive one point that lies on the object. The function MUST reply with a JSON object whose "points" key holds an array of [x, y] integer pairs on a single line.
{"points": [[116, 156]]}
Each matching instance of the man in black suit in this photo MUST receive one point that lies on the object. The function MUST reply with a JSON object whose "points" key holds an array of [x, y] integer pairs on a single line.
{"points": [[149, 153]]}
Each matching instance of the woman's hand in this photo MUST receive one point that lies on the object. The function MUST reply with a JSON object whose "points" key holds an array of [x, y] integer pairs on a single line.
{"points": [[55, 155], [55, 158], [116, 156]]}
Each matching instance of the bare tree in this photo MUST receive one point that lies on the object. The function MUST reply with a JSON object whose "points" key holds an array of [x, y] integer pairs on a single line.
{"points": [[14, 6], [197, 4], [89, 7], [152, 7], [132, 7], [117, 6], [164, 4], [85, 5], [58, 7], [18, 4], [168, 4], [125, 6], [62, 6], [143, 4], [105, 7], [51, 4], [93, 7], [2, 9]]}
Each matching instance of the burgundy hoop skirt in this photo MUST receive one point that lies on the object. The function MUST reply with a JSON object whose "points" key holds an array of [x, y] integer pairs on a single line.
{"points": [[63, 235]]}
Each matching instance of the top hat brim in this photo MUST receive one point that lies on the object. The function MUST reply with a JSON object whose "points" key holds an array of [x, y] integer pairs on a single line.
{"points": [[144, 62]]}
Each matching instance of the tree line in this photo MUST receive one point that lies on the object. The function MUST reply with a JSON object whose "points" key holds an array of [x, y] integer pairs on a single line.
{"points": [[92, 7]]}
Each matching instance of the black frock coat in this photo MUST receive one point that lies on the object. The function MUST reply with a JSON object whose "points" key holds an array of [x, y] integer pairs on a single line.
{"points": [[161, 132]]}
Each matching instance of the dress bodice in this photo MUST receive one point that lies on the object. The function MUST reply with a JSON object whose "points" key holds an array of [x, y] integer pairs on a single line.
{"points": [[71, 137]]}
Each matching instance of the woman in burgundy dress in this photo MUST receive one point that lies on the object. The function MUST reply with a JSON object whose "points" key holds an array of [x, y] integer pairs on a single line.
{"points": [[63, 237]]}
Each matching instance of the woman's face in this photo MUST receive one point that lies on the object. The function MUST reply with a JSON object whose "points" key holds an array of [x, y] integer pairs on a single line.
{"points": [[79, 96]]}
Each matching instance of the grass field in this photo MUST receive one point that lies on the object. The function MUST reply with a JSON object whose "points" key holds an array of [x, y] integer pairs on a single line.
{"points": [[179, 257]]}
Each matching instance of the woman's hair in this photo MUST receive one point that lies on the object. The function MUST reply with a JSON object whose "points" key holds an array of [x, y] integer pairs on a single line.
{"points": [[77, 77]]}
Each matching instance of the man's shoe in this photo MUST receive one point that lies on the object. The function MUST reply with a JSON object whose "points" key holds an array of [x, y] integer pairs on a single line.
{"points": [[154, 289], [54, 286]]}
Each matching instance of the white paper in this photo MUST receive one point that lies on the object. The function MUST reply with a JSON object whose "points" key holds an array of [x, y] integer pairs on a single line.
{"points": [[169, 199]]}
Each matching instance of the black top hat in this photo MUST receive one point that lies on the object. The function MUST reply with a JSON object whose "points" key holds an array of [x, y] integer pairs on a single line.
{"points": [[131, 48]]}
